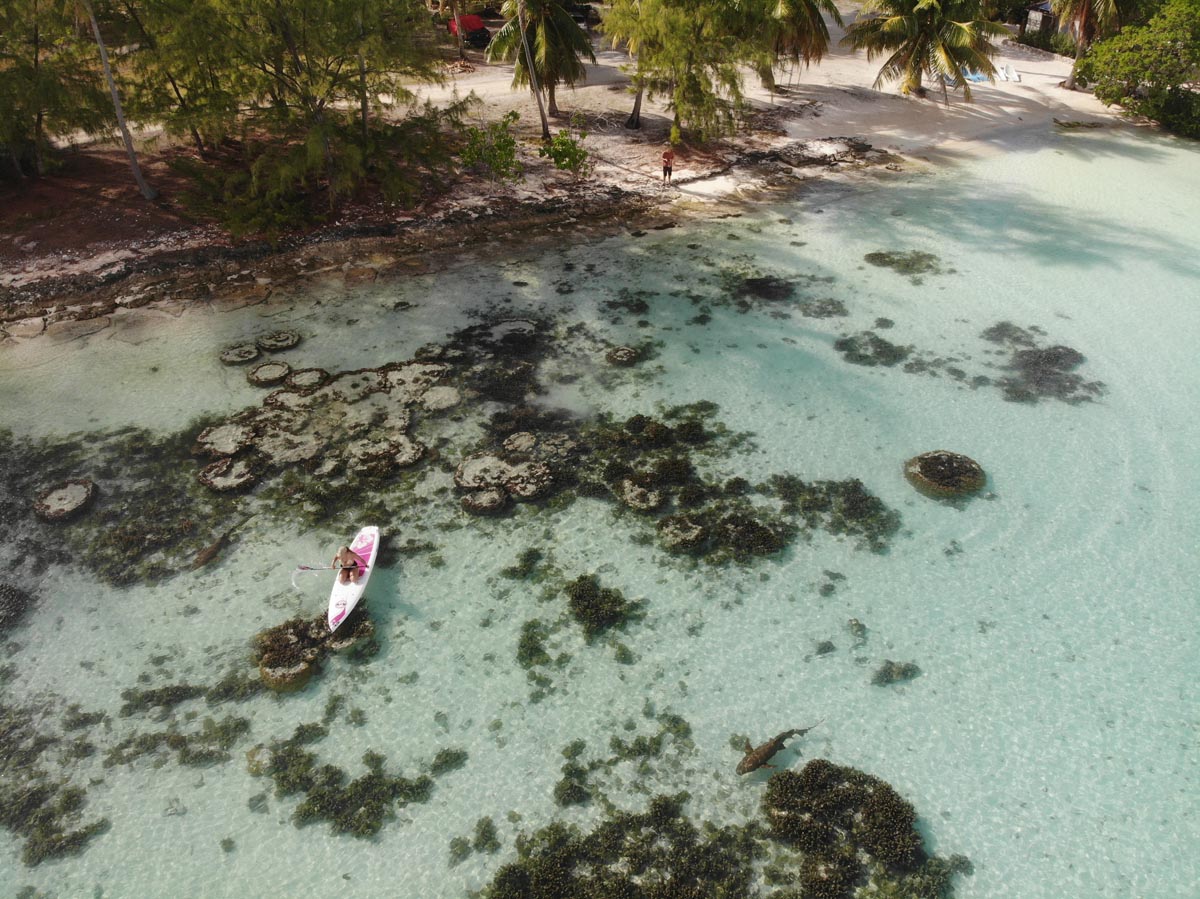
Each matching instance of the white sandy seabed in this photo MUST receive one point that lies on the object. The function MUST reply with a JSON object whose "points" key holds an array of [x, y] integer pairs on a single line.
{"points": [[1051, 736]]}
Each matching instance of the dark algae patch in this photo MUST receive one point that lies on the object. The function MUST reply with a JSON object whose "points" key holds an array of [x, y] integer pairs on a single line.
{"points": [[824, 832], [868, 348], [914, 263], [43, 811], [360, 806], [597, 608], [1035, 372]]}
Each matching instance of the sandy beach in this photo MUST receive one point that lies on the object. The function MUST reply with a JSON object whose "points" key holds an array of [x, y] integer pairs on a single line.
{"points": [[86, 262]]}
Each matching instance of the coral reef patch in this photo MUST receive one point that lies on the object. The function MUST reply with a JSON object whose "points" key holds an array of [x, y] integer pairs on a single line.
{"points": [[943, 474], [289, 654], [827, 830]]}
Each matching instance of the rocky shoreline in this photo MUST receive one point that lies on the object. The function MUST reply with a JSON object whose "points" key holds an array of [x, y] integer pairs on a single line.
{"points": [[232, 275]]}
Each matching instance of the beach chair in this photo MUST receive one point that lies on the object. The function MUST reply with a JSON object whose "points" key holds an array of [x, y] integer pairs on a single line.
{"points": [[1000, 71], [973, 75], [1013, 74]]}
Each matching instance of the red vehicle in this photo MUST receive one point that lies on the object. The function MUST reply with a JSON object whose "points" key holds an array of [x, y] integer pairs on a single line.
{"points": [[475, 32]]}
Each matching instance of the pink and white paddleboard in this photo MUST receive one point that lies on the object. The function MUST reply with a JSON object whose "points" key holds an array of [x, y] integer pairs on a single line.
{"points": [[344, 597]]}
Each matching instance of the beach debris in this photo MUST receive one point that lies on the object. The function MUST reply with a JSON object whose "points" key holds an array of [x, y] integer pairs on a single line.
{"points": [[894, 673], [942, 474], [239, 354], [1074, 123], [267, 374], [65, 501], [758, 756]]}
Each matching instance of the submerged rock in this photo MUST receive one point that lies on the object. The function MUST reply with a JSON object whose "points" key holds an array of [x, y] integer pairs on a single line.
{"points": [[14, 603], [278, 340], [306, 379], [65, 501], [940, 473], [268, 373], [622, 356], [239, 354], [488, 501], [228, 474], [289, 654], [224, 440]]}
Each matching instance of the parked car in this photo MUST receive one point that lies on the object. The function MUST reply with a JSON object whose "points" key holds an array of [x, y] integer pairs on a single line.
{"points": [[475, 33]]}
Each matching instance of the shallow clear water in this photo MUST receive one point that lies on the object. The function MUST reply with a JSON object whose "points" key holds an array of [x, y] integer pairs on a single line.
{"points": [[1051, 736]]}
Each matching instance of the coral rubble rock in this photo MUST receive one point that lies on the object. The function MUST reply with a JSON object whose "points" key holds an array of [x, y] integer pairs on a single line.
{"points": [[224, 439], [622, 356], [277, 340], [488, 501], [268, 374], [437, 399], [239, 354], [228, 474], [940, 473], [66, 500]]}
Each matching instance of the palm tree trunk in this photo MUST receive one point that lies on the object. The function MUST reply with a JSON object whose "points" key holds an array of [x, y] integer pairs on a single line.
{"points": [[462, 54], [1080, 49], [147, 191], [635, 117], [537, 92], [553, 102]]}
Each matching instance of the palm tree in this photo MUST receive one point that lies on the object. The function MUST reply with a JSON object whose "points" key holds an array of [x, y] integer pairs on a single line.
{"points": [[939, 38], [556, 45], [147, 191], [1088, 19], [800, 32]]}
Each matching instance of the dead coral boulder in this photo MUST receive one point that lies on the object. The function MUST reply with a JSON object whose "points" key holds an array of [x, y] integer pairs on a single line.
{"points": [[481, 470], [268, 374], [306, 379], [409, 453], [226, 475], [225, 439], [942, 474], [239, 354], [679, 533], [289, 654], [637, 497], [438, 399], [622, 356], [529, 480], [488, 501], [65, 501], [277, 340]]}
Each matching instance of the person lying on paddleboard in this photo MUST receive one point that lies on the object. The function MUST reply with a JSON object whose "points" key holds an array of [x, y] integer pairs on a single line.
{"points": [[349, 565]]}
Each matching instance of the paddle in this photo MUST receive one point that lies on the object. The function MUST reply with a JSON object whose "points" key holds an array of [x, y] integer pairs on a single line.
{"points": [[314, 569]]}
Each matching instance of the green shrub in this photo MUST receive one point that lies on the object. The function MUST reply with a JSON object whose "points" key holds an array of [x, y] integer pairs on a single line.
{"points": [[566, 150], [493, 149]]}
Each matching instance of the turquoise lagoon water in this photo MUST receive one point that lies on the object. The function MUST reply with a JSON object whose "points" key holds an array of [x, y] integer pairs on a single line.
{"points": [[1051, 736]]}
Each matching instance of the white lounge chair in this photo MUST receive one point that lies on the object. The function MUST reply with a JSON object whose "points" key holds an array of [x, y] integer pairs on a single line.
{"points": [[1000, 72], [1013, 74]]}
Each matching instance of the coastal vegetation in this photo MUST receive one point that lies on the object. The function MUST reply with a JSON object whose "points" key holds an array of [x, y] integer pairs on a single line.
{"points": [[1149, 69]]}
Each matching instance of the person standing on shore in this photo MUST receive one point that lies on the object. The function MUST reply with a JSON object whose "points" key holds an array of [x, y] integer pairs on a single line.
{"points": [[668, 161]]}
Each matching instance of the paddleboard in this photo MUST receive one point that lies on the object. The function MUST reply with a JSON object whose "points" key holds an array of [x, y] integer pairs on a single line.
{"points": [[344, 597]]}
